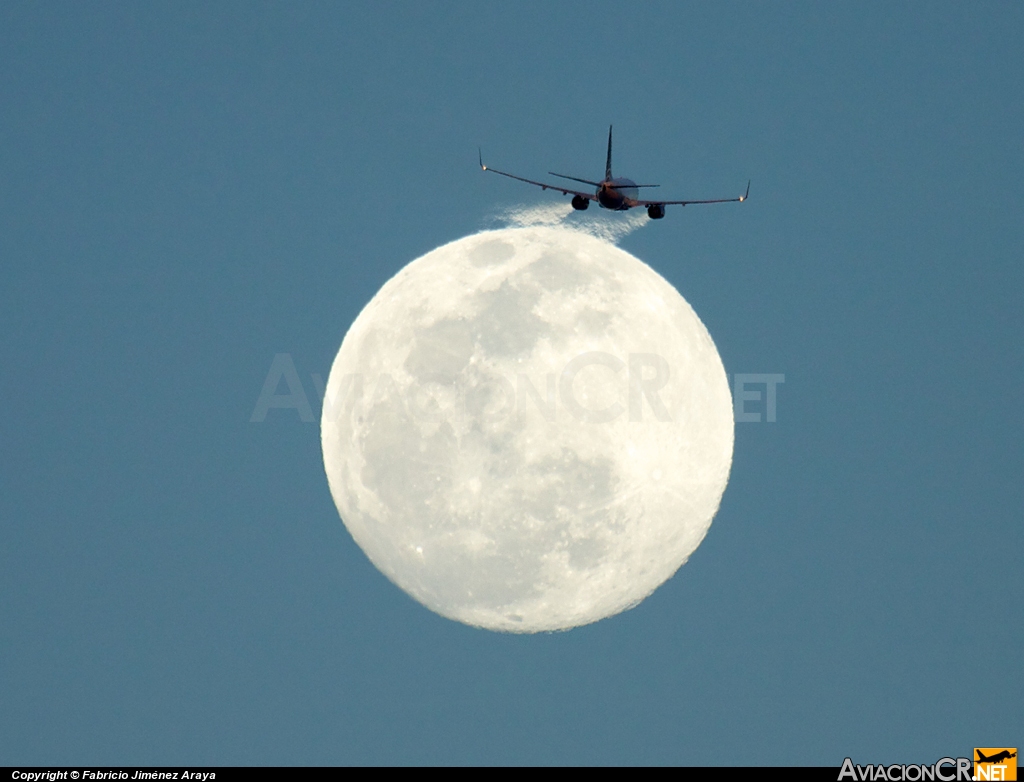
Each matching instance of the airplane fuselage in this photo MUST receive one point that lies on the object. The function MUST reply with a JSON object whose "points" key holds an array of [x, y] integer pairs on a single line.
{"points": [[613, 193]]}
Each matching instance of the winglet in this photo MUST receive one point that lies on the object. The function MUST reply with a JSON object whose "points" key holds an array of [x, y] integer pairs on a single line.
{"points": [[480, 155], [743, 197]]}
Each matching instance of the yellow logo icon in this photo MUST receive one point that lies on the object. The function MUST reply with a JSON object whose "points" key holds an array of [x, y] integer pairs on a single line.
{"points": [[995, 763]]}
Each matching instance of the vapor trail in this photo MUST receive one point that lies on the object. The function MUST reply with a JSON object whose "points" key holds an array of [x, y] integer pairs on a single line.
{"points": [[609, 227]]}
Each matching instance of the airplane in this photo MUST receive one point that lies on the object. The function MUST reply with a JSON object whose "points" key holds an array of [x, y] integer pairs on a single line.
{"points": [[615, 193], [1004, 755]]}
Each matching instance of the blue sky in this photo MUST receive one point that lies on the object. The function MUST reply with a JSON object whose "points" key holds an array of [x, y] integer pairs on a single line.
{"points": [[187, 190]]}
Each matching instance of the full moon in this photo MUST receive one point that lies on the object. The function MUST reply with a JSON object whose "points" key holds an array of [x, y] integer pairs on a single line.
{"points": [[527, 429]]}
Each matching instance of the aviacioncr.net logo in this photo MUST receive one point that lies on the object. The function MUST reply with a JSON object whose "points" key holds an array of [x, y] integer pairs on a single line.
{"points": [[942, 770], [995, 763]]}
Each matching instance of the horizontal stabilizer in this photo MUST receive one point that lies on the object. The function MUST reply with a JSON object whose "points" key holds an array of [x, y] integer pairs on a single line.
{"points": [[575, 179]]}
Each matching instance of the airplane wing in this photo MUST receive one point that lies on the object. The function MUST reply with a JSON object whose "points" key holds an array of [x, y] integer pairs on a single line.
{"points": [[542, 185], [684, 203]]}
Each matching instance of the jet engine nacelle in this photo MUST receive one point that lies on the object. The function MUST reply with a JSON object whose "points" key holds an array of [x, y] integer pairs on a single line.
{"points": [[580, 203], [656, 211]]}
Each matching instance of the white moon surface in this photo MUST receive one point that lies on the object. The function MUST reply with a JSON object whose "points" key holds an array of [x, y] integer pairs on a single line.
{"points": [[527, 429]]}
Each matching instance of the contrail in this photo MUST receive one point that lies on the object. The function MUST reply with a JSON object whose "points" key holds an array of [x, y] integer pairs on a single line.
{"points": [[608, 227]]}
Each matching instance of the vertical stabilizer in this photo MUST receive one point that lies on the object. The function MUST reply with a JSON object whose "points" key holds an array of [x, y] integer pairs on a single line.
{"points": [[608, 164]]}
